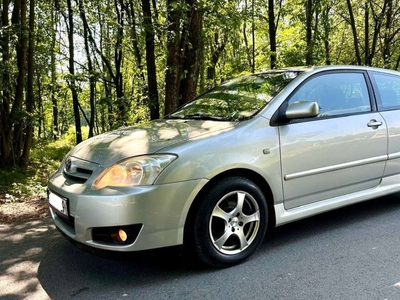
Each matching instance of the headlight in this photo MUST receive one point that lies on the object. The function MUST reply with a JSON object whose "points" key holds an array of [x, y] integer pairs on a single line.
{"points": [[141, 170]]}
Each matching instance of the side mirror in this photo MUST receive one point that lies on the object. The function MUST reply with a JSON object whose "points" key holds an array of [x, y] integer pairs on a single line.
{"points": [[302, 109]]}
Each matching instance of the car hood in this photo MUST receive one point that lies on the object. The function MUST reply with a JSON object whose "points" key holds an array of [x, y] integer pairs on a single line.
{"points": [[108, 148]]}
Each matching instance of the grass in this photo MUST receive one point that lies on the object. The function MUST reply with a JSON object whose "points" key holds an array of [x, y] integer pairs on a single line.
{"points": [[18, 184]]}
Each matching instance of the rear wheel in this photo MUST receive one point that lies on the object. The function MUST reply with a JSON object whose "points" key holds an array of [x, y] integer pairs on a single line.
{"points": [[230, 223]]}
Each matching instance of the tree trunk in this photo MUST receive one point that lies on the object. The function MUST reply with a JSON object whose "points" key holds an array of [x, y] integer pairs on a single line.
{"points": [[54, 88], [19, 20], [72, 84], [272, 33], [253, 38], [366, 33], [173, 56], [387, 39], [309, 36], [122, 105], [378, 19], [30, 96], [5, 122], [193, 54], [246, 43], [327, 30], [354, 32], [153, 103], [92, 78]]}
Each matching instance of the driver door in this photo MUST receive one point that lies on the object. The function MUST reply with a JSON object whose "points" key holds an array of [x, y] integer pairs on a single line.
{"points": [[340, 151]]}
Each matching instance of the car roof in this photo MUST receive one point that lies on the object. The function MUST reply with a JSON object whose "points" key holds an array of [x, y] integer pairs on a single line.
{"points": [[331, 68]]}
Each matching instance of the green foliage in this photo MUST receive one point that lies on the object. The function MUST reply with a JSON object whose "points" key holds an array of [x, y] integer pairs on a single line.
{"points": [[230, 30], [52, 153], [22, 183]]}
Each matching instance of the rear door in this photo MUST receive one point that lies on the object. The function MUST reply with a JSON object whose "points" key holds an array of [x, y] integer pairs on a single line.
{"points": [[342, 150]]}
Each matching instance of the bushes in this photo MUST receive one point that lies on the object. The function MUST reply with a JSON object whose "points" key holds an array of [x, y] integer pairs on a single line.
{"points": [[18, 184]]}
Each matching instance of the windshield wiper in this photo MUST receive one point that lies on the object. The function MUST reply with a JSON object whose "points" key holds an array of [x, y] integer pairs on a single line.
{"points": [[174, 117], [199, 116], [204, 117]]}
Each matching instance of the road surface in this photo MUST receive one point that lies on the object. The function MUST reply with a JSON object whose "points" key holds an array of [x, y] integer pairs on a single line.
{"points": [[351, 253]]}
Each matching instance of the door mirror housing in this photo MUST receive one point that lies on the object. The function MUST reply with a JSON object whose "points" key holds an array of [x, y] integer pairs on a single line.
{"points": [[296, 110], [302, 109]]}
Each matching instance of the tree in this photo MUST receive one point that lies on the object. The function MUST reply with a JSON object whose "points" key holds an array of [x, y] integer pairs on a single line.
{"points": [[5, 121], [71, 67], [153, 103], [91, 71], [29, 93], [312, 22], [105, 64], [15, 125], [174, 12], [184, 51], [273, 21], [54, 84], [122, 104], [326, 24], [192, 42]]}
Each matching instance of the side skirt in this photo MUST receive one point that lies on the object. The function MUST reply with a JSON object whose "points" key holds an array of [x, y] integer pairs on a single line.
{"points": [[388, 185]]}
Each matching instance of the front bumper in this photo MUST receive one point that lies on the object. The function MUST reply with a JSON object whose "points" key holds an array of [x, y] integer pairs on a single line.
{"points": [[159, 211]]}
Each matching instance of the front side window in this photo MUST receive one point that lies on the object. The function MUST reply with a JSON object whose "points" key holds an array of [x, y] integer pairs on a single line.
{"points": [[336, 93], [237, 99], [388, 87]]}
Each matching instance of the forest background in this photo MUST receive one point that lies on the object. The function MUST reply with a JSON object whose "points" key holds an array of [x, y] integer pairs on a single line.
{"points": [[71, 69]]}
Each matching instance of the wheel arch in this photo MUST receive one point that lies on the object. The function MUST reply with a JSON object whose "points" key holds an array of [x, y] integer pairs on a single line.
{"points": [[258, 180]]}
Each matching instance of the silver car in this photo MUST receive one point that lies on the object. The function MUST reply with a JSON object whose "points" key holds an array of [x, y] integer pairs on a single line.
{"points": [[257, 151]]}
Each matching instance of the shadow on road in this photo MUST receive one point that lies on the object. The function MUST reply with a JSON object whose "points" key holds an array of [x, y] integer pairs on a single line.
{"points": [[22, 248], [66, 272]]}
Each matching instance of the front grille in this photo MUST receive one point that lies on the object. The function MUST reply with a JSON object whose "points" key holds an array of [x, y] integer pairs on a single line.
{"points": [[84, 171], [75, 178], [79, 170]]}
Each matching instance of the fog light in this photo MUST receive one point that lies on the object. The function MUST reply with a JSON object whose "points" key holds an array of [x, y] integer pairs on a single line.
{"points": [[119, 236]]}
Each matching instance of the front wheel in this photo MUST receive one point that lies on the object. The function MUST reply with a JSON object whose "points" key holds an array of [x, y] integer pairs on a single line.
{"points": [[230, 223]]}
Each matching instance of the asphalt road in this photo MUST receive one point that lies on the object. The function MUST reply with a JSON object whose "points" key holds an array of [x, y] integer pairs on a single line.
{"points": [[351, 253]]}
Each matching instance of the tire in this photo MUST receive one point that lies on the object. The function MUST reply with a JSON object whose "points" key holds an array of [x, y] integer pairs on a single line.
{"points": [[230, 222]]}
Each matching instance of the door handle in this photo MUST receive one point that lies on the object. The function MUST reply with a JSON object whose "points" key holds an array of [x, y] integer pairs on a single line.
{"points": [[374, 124]]}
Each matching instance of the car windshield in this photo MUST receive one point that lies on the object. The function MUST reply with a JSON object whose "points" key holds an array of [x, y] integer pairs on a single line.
{"points": [[237, 99]]}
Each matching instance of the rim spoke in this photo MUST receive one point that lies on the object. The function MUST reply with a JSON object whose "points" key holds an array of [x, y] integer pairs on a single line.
{"points": [[221, 241], [251, 218], [242, 238], [240, 201], [220, 213]]}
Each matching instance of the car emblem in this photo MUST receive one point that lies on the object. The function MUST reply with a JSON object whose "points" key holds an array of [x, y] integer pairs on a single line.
{"points": [[68, 164]]}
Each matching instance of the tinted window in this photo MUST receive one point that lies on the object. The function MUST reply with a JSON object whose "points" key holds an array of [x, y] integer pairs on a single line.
{"points": [[388, 91], [237, 99], [336, 93]]}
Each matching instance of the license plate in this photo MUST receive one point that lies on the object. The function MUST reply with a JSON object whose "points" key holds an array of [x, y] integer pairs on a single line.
{"points": [[61, 204]]}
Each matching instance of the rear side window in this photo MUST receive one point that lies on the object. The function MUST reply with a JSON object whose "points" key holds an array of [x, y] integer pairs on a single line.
{"points": [[336, 93], [388, 91]]}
